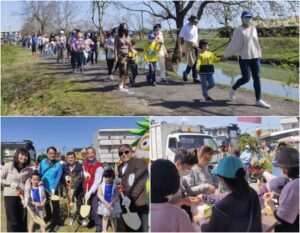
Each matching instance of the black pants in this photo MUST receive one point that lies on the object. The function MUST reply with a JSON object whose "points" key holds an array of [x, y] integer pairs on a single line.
{"points": [[110, 65], [134, 70], [16, 215], [94, 217], [55, 212], [72, 59]]}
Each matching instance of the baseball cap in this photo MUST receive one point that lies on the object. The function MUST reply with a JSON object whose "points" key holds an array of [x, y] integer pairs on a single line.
{"points": [[287, 157], [246, 14], [227, 167], [151, 36]]}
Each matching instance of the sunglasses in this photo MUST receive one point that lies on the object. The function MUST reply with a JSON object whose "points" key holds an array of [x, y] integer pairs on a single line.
{"points": [[126, 152]]}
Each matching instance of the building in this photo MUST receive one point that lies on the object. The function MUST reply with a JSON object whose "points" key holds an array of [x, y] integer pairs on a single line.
{"points": [[12, 36], [289, 123], [8, 149], [225, 135], [107, 141]]}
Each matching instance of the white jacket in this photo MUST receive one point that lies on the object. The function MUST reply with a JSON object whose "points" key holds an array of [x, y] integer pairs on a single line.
{"points": [[244, 42]]}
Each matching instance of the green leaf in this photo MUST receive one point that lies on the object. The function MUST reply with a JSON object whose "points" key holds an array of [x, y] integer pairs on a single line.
{"points": [[138, 131]]}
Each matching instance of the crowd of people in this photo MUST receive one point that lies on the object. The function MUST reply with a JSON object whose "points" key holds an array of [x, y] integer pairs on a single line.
{"points": [[39, 187], [196, 198], [120, 53]]}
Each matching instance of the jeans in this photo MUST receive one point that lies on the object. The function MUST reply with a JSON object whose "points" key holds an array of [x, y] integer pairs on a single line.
{"points": [[134, 70], [247, 67], [207, 82], [78, 58], [94, 54], [152, 69]]}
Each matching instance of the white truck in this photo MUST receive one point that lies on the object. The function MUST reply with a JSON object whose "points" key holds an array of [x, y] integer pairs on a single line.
{"points": [[166, 138]]}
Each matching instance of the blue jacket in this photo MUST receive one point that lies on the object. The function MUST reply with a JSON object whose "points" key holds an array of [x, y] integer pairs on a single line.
{"points": [[52, 176], [34, 40]]}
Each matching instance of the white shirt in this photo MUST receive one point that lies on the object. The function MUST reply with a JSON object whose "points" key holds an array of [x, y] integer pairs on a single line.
{"points": [[189, 33], [124, 167], [244, 42], [288, 208]]}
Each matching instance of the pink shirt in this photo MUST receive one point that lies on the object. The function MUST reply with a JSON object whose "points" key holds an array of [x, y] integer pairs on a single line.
{"points": [[288, 208], [166, 217]]}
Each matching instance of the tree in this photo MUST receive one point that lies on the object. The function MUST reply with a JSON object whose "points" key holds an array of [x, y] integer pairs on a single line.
{"points": [[246, 139], [98, 9]]}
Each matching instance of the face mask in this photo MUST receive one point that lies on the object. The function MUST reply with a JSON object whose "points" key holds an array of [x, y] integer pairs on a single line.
{"points": [[169, 197], [184, 172], [247, 21], [222, 188]]}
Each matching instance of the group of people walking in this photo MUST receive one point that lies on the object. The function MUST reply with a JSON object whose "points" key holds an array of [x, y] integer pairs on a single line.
{"points": [[120, 53], [36, 188], [184, 190]]}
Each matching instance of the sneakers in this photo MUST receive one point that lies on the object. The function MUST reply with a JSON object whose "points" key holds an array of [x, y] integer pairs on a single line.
{"points": [[83, 223], [153, 84], [261, 103], [71, 220], [185, 76], [111, 77], [231, 93], [210, 100], [123, 89]]}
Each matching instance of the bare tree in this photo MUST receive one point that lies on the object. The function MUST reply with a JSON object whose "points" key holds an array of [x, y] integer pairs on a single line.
{"points": [[98, 9]]}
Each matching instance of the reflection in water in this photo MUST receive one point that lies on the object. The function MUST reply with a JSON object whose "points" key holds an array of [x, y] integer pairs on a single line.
{"points": [[228, 77]]}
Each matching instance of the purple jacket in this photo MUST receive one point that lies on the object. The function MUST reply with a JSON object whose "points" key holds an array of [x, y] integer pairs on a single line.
{"points": [[77, 45]]}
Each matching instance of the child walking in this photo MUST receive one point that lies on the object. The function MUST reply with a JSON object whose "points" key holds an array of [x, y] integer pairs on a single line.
{"points": [[151, 51], [133, 58], [109, 205], [206, 69], [36, 199]]}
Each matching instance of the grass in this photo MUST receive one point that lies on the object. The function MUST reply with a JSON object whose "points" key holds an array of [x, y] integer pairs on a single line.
{"points": [[27, 89], [273, 48], [64, 228]]}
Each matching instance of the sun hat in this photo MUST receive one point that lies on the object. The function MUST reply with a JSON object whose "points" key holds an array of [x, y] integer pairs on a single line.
{"points": [[193, 19], [227, 167], [287, 158]]}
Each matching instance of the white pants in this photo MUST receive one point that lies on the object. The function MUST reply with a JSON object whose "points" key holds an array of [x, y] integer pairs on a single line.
{"points": [[162, 65]]}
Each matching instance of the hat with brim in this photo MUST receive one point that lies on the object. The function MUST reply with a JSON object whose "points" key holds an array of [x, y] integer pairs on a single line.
{"points": [[246, 14], [227, 167], [193, 19]]}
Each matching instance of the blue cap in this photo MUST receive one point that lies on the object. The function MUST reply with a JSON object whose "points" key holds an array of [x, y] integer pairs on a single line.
{"points": [[246, 14], [227, 167], [151, 36]]}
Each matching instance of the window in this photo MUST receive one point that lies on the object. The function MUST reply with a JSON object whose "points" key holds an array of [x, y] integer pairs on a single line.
{"points": [[172, 143]]}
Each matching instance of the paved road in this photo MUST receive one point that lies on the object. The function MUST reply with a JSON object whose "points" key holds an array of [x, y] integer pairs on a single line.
{"points": [[176, 98]]}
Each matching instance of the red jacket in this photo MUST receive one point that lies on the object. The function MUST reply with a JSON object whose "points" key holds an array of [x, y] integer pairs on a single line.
{"points": [[92, 170]]}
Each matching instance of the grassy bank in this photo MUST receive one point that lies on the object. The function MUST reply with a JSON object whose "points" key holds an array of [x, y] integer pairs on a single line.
{"points": [[28, 89], [273, 48]]}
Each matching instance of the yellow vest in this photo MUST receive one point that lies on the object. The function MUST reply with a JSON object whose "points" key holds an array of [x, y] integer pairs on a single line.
{"points": [[133, 56], [151, 52], [207, 58]]}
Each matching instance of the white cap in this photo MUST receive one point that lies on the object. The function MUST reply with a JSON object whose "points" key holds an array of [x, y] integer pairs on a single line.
{"points": [[61, 32], [247, 146]]}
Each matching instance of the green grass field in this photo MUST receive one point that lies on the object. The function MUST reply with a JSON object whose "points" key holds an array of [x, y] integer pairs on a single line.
{"points": [[273, 48], [28, 88]]}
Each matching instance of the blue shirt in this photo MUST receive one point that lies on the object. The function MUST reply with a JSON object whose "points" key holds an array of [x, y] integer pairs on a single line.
{"points": [[246, 156], [34, 40], [36, 195], [108, 192], [52, 176]]}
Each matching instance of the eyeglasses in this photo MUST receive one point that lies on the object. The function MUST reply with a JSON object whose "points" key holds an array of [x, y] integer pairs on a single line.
{"points": [[126, 152]]}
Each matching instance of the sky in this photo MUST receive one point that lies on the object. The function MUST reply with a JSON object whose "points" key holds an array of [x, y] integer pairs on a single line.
{"points": [[216, 121], [68, 132], [12, 21]]}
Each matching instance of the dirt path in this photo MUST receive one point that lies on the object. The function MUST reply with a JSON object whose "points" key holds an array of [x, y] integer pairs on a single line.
{"points": [[176, 98]]}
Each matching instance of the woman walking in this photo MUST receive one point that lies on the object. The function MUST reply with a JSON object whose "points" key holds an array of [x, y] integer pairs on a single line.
{"points": [[245, 42], [122, 48], [77, 48]]}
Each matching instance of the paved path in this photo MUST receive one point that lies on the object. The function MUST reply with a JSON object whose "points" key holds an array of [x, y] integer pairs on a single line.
{"points": [[176, 98]]}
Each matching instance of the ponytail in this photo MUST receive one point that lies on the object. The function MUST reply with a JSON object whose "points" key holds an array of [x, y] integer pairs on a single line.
{"points": [[239, 185]]}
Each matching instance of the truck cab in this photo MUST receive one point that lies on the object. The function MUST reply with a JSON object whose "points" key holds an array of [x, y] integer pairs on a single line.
{"points": [[187, 141]]}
